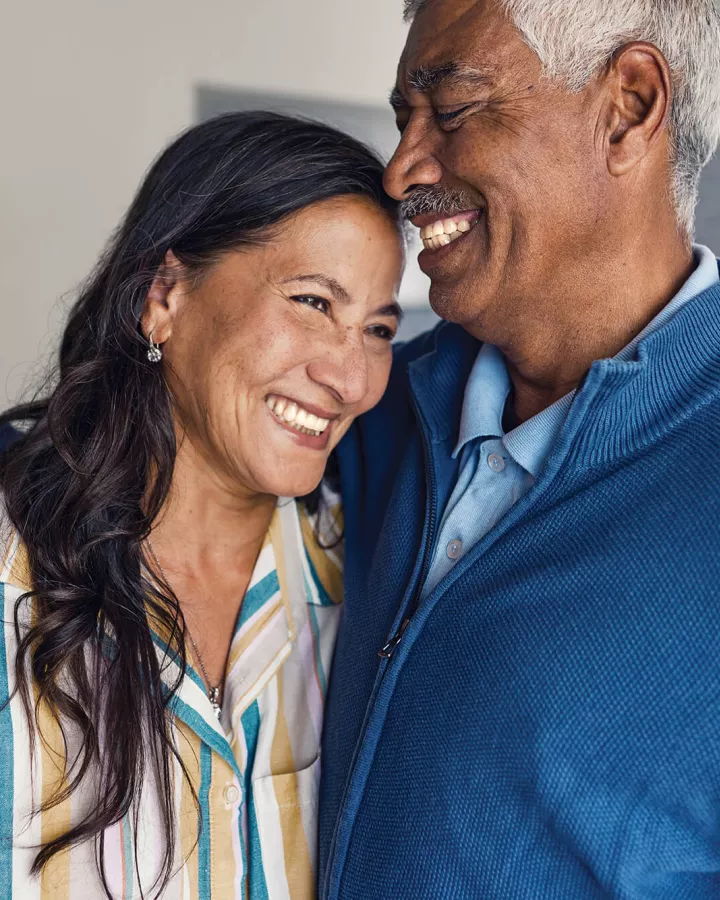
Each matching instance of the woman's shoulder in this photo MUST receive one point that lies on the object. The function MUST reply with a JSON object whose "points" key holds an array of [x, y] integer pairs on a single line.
{"points": [[15, 582], [322, 529], [325, 514], [14, 564]]}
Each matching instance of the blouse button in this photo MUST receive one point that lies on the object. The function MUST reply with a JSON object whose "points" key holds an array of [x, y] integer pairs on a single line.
{"points": [[231, 794]]}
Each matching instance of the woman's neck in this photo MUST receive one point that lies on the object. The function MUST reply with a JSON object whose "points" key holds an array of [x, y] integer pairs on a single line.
{"points": [[207, 539], [207, 517]]}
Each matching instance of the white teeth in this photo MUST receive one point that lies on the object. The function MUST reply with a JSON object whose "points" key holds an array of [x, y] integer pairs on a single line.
{"points": [[295, 416], [443, 232]]}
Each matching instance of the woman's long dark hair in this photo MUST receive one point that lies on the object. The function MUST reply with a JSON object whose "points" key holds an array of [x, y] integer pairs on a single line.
{"points": [[94, 464]]}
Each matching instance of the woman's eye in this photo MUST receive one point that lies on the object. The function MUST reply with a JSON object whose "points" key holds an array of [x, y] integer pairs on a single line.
{"points": [[382, 331], [319, 303], [445, 117]]}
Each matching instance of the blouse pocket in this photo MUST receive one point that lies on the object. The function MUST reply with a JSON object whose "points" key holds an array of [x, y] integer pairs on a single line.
{"points": [[290, 790], [286, 812]]}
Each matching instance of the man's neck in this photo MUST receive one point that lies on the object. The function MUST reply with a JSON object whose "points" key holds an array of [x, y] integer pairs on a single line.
{"points": [[592, 324]]}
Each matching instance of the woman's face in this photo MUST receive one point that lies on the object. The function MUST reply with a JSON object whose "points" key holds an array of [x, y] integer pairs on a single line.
{"points": [[279, 347]]}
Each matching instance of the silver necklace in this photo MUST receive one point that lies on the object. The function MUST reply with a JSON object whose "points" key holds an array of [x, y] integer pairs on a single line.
{"points": [[213, 692]]}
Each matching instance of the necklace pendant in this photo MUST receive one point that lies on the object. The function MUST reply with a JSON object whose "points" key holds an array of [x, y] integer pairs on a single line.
{"points": [[214, 698]]}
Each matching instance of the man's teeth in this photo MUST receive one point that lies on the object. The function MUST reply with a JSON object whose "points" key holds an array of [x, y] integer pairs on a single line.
{"points": [[444, 232], [295, 416]]}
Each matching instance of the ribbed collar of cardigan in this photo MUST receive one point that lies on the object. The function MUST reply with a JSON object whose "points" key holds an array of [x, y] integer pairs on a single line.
{"points": [[678, 347]]}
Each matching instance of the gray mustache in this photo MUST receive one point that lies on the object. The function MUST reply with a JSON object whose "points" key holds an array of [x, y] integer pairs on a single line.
{"points": [[436, 199]]}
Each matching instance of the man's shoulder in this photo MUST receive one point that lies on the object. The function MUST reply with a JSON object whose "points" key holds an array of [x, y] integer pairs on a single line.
{"points": [[443, 337], [404, 352], [8, 436]]}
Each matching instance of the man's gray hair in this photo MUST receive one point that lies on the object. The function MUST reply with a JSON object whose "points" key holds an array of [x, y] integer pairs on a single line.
{"points": [[575, 38]]}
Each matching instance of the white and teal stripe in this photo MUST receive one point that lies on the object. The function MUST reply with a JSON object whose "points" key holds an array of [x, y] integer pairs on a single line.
{"points": [[256, 772]]}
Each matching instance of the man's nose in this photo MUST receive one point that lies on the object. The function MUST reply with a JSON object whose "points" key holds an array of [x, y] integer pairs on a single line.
{"points": [[412, 165], [344, 370]]}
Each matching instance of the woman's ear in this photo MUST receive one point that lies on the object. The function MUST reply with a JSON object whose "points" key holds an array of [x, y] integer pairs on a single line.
{"points": [[163, 300]]}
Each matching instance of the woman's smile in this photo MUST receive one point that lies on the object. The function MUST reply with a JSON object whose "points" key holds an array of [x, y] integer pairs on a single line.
{"points": [[301, 325], [309, 426], [239, 322]]}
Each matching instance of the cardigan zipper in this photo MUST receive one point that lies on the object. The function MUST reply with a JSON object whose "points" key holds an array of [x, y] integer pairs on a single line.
{"points": [[386, 652], [393, 641], [397, 636]]}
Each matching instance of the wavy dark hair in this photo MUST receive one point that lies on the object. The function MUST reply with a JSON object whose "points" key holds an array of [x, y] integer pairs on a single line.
{"points": [[94, 462]]}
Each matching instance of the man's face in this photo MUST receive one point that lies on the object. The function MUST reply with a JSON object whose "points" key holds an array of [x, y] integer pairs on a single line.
{"points": [[511, 159]]}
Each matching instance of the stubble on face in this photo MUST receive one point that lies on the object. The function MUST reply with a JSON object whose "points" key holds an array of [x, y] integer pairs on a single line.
{"points": [[523, 149]]}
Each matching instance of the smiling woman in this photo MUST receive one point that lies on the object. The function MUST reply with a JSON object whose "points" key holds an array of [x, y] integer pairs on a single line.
{"points": [[169, 618]]}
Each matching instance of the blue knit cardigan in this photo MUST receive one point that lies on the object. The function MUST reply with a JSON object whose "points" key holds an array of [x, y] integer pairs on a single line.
{"points": [[548, 725]]}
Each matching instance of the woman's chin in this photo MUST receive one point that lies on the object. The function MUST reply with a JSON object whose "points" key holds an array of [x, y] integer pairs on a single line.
{"points": [[288, 481]]}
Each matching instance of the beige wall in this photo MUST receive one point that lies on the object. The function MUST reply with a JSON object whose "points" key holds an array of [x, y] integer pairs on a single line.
{"points": [[92, 90]]}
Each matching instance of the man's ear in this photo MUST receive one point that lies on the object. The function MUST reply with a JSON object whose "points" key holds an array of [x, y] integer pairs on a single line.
{"points": [[640, 94], [163, 300]]}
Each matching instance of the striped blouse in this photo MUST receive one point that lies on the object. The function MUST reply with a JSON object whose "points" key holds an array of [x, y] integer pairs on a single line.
{"points": [[256, 771]]}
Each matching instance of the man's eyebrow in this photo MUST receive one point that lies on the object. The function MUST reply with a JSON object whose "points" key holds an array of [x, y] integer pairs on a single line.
{"points": [[331, 284], [425, 78]]}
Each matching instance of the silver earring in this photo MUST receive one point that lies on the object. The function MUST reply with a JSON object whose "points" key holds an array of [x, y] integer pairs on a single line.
{"points": [[154, 353]]}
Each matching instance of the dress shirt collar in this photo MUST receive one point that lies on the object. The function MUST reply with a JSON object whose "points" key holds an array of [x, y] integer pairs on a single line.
{"points": [[531, 442], [485, 395]]}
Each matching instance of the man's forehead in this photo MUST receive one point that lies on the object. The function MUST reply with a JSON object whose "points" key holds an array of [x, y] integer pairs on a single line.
{"points": [[450, 40]]}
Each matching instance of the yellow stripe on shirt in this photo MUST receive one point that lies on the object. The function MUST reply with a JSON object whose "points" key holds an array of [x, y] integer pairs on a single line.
{"points": [[56, 817], [273, 696]]}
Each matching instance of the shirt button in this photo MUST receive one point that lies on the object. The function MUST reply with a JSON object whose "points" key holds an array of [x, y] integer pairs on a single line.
{"points": [[231, 794], [496, 462], [454, 549]]}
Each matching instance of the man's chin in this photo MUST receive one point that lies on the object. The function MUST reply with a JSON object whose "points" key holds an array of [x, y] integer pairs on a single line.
{"points": [[457, 302]]}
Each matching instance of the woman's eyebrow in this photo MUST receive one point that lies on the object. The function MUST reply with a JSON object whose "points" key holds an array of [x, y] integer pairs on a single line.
{"points": [[331, 284], [390, 309], [339, 292], [396, 99]]}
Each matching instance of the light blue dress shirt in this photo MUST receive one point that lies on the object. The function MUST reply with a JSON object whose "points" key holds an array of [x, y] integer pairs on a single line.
{"points": [[497, 469]]}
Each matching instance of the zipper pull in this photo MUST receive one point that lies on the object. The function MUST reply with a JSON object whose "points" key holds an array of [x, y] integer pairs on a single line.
{"points": [[387, 651]]}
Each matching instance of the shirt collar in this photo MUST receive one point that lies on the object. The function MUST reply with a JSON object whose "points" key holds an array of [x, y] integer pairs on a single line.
{"points": [[483, 407], [487, 389], [293, 565], [531, 442]]}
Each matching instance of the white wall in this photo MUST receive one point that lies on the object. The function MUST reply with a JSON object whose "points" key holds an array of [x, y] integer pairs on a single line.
{"points": [[91, 90]]}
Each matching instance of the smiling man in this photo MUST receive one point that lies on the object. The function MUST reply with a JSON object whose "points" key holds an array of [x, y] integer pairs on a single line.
{"points": [[525, 701]]}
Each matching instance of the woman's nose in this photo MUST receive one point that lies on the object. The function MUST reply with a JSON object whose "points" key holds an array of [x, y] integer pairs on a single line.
{"points": [[344, 371], [412, 165]]}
